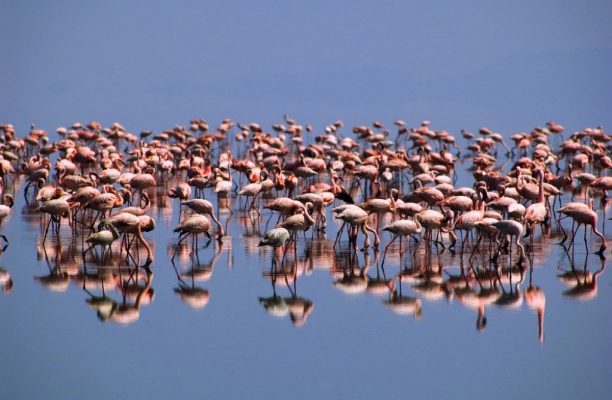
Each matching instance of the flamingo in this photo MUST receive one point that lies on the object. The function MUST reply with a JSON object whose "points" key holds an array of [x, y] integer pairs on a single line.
{"points": [[109, 175], [467, 221], [251, 190], [357, 218], [302, 221], [537, 212], [432, 219], [182, 191], [105, 237], [276, 238], [318, 202], [205, 207], [380, 206], [131, 224], [141, 181], [5, 210], [401, 228], [583, 215], [193, 225], [604, 184], [285, 206], [57, 209], [509, 228]]}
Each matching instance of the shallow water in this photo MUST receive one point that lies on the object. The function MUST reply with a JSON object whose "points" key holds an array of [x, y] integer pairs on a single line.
{"points": [[324, 326]]}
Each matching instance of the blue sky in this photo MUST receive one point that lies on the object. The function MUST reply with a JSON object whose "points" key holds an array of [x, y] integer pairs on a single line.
{"points": [[152, 64]]}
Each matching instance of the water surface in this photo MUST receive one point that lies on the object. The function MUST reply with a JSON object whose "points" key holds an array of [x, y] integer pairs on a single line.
{"points": [[326, 325]]}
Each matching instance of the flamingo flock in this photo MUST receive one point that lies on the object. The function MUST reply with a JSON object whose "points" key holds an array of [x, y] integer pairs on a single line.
{"points": [[387, 186]]}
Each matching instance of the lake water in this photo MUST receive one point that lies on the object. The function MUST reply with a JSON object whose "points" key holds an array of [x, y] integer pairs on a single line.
{"points": [[225, 325]]}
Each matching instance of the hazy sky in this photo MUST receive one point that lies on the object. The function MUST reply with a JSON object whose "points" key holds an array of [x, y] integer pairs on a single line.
{"points": [[152, 64]]}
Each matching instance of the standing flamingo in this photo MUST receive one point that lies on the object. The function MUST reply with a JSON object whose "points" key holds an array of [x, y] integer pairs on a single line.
{"points": [[358, 218], [193, 225], [537, 212], [276, 238], [584, 216], [401, 228], [508, 228]]}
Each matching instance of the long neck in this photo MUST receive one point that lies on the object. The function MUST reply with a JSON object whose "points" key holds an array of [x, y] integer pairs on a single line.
{"points": [[482, 202], [541, 188], [307, 217], [145, 244], [476, 205], [118, 199], [113, 230], [144, 290], [541, 324], [418, 224]]}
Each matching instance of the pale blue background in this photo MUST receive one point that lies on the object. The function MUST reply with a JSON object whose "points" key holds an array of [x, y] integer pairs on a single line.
{"points": [[509, 65], [152, 64]]}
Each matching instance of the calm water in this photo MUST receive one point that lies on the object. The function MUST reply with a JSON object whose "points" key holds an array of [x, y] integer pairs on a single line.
{"points": [[328, 327]]}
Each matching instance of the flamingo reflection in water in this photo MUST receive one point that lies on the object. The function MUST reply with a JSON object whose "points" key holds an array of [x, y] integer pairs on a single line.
{"points": [[583, 283], [60, 263], [584, 216], [349, 277], [400, 303], [379, 284], [275, 161], [536, 301], [296, 307], [133, 296], [6, 282], [192, 295]]}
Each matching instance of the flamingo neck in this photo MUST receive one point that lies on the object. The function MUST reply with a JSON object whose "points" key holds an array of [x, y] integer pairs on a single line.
{"points": [[418, 224], [308, 217], [144, 290], [482, 204], [541, 324], [541, 188], [145, 244]]}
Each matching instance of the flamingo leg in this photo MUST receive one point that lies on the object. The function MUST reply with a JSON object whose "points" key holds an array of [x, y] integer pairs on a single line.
{"points": [[475, 247], [385, 251], [47, 230], [573, 236], [603, 240], [339, 233]]}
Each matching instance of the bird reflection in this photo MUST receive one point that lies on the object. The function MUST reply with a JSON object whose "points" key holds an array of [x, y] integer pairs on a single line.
{"points": [[536, 301], [477, 297], [427, 276], [322, 252], [402, 304], [133, 296], [58, 278], [6, 282], [132, 283], [98, 279], [583, 283], [188, 292], [296, 307], [352, 279], [91, 223], [513, 277]]}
